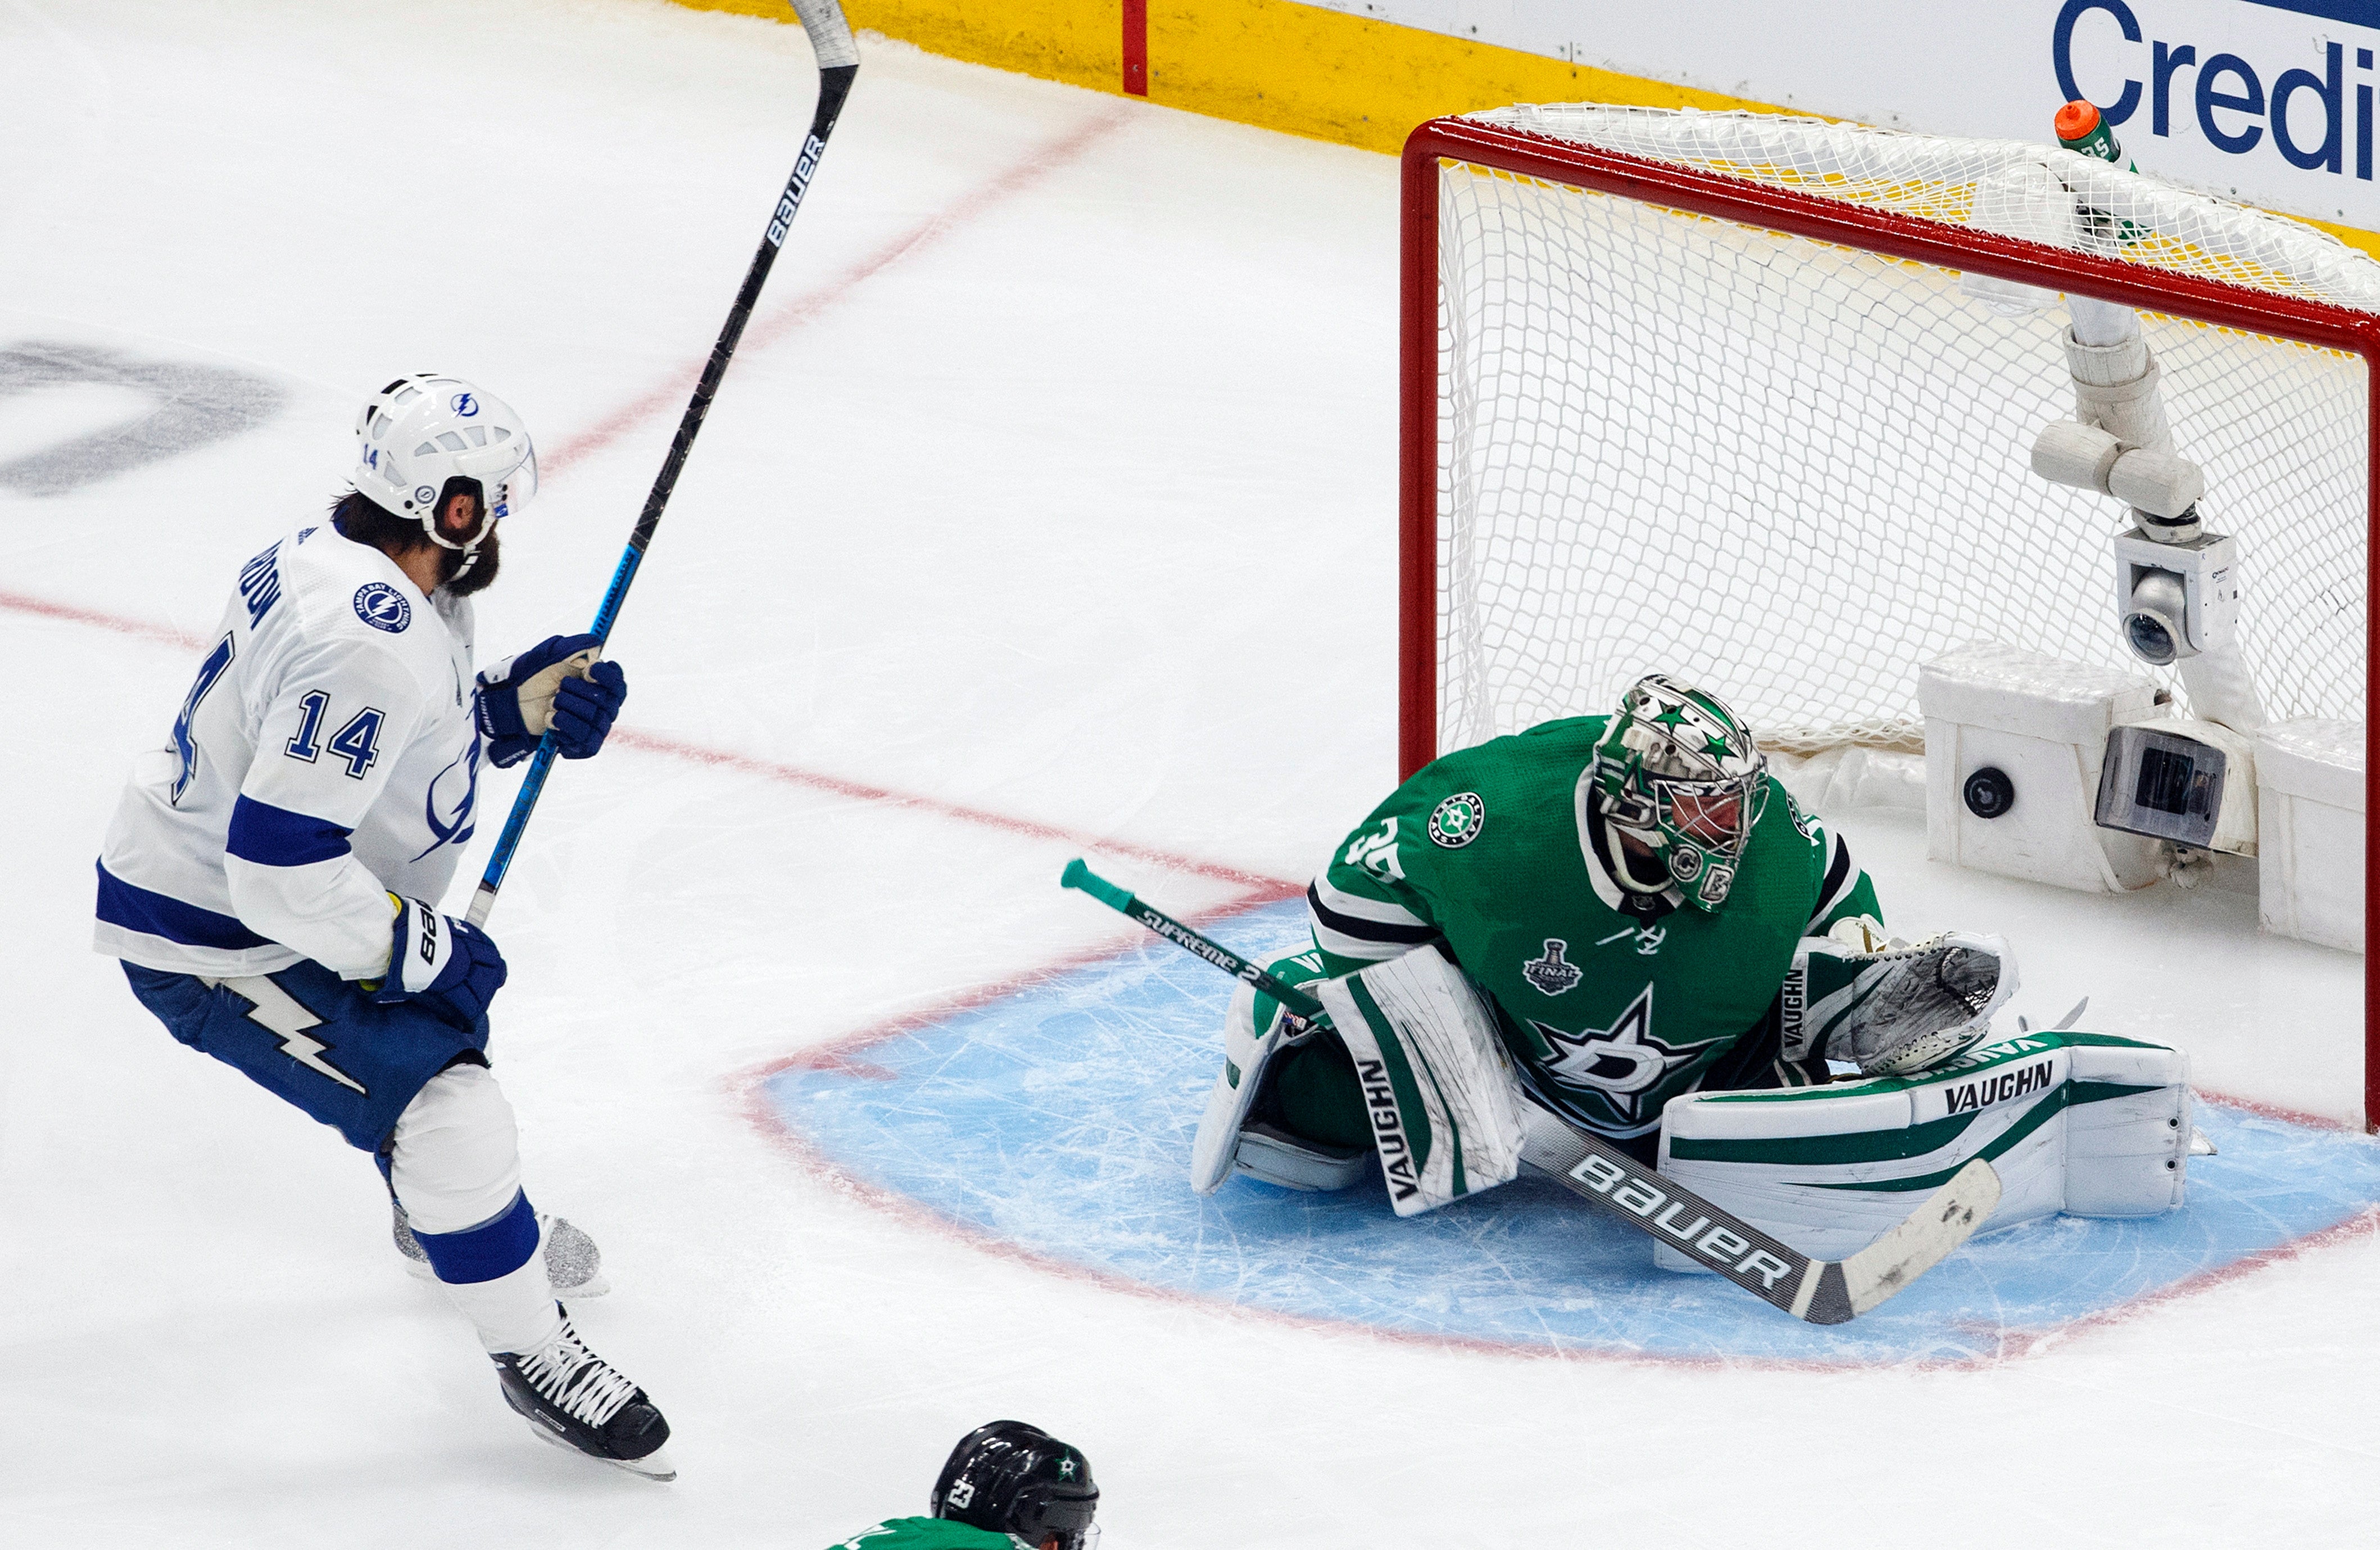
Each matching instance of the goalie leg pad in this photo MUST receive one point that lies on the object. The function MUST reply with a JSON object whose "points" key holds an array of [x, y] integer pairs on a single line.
{"points": [[1249, 1052], [2082, 1123], [1294, 1162], [2128, 1152], [1446, 1109]]}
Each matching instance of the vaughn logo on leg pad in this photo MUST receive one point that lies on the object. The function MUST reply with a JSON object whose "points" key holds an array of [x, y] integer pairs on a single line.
{"points": [[2000, 1086], [1388, 1130]]}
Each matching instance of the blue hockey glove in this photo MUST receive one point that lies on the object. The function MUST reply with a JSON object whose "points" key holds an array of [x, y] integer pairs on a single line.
{"points": [[585, 707], [448, 964], [558, 683]]}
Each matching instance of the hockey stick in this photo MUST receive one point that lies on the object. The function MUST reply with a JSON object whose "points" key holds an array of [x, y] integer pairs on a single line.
{"points": [[1816, 1290], [838, 62]]}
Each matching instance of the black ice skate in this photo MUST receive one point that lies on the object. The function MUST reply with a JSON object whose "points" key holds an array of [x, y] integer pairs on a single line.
{"points": [[572, 1398]]}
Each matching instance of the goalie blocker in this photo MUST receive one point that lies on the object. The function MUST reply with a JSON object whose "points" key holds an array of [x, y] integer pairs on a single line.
{"points": [[2087, 1124]]}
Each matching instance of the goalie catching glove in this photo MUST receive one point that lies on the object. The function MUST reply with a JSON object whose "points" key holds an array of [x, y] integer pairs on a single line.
{"points": [[1894, 1009]]}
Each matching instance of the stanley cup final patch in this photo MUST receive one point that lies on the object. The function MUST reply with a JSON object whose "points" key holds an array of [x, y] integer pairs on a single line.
{"points": [[1457, 821], [1552, 974]]}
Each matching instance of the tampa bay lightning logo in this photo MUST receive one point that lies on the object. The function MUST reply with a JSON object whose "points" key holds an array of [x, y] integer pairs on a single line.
{"points": [[453, 796], [464, 405], [383, 606]]}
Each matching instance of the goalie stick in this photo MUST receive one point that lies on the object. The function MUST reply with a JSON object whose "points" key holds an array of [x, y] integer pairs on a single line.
{"points": [[838, 62], [1816, 1290]]}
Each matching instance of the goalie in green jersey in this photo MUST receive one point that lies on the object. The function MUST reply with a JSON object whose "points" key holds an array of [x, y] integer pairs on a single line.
{"points": [[1624, 909]]}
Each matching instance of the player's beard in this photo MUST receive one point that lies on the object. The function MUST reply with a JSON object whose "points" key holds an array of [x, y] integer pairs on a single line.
{"points": [[477, 577]]}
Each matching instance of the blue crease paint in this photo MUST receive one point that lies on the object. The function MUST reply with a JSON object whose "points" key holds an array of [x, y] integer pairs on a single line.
{"points": [[1060, 1119]]}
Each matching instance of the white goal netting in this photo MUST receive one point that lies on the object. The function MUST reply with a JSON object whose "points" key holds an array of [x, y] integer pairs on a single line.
{"points": [[1793, 472]]}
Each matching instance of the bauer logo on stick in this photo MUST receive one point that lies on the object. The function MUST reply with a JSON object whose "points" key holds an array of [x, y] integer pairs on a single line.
{"points": [[1457, 819]]}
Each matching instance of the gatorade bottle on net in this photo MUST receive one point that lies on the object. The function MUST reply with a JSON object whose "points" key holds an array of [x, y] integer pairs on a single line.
{"points": [[2081, 128]]}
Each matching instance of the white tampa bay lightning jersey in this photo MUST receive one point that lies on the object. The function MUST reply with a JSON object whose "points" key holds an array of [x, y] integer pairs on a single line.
{"points": [[325, 756]]}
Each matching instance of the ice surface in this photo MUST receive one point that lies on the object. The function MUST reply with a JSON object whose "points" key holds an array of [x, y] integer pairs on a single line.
{"points": [[1060, 1119], [1056, 485]]}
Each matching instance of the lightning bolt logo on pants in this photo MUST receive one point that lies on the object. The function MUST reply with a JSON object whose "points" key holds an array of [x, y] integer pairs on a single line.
{"points": [[277, 1011]]}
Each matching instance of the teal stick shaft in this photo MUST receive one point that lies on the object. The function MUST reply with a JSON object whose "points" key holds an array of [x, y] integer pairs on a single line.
{"points": [[1082, 879]]}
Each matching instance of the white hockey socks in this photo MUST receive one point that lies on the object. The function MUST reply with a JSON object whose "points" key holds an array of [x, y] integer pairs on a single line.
{"points": [[454, 1163]]}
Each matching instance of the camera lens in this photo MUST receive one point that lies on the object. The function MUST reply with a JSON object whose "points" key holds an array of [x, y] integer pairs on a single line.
{"points": [[2152, 624], [1989, 792], [2149, 637]]}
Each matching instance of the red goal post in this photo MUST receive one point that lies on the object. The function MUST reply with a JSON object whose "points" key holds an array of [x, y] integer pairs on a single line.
{"points": [[1453, 148]]}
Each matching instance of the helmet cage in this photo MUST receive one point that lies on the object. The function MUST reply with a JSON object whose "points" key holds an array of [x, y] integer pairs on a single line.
{"points": [[1694, 821], [1698, 823]]}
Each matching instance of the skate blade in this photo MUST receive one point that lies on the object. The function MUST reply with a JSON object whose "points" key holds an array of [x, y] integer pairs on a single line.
{"points": [[655, 1465]]}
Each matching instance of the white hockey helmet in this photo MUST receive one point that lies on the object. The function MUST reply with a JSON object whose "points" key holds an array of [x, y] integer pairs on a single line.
{"points": [[425, 428]]}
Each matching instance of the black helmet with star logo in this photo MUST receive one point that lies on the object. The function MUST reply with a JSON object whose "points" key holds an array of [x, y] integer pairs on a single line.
{"points": [[1015, 1479]]}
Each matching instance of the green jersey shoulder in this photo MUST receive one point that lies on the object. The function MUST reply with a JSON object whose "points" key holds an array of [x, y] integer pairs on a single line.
{"points": [[929, 1533], [1613, 1002]]}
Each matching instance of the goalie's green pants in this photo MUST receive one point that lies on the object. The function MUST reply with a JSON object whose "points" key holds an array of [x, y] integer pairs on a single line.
{"points": [[1313, 1091]]}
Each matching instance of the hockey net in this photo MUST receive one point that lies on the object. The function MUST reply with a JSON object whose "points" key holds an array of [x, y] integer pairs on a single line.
{"points": [[1748, 399]]}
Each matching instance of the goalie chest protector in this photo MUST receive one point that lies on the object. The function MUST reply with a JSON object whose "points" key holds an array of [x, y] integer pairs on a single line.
{"points": [[1609, 1013]]}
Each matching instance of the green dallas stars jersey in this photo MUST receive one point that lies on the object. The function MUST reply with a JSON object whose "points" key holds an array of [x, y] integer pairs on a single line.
{"points": [[929, 1533], [1611, 1003]]}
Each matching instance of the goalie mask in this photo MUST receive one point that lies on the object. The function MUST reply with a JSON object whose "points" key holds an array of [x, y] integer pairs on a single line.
{"points": [[1677, 773]]}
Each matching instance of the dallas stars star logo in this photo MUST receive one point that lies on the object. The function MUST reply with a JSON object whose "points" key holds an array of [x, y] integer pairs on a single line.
{"points": [[1619, 1064], [1715, 743]]}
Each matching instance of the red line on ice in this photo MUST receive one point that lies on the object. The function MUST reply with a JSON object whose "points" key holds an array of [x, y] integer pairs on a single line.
{"points": [[1264, 888], [749, 1087], [2363, 1224], [774, 326], [1256, 884], [42, 608]]}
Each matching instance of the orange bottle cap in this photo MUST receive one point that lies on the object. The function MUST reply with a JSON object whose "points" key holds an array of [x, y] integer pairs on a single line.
{"points": [[2076, 120]]}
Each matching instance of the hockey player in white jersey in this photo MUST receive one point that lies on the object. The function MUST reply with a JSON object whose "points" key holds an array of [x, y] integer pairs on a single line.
{"points": [[272, 876]]}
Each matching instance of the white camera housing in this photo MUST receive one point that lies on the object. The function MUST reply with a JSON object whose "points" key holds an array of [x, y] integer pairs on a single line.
{"points": [[2176, 599], [2036, 728], [2189, 782]]}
